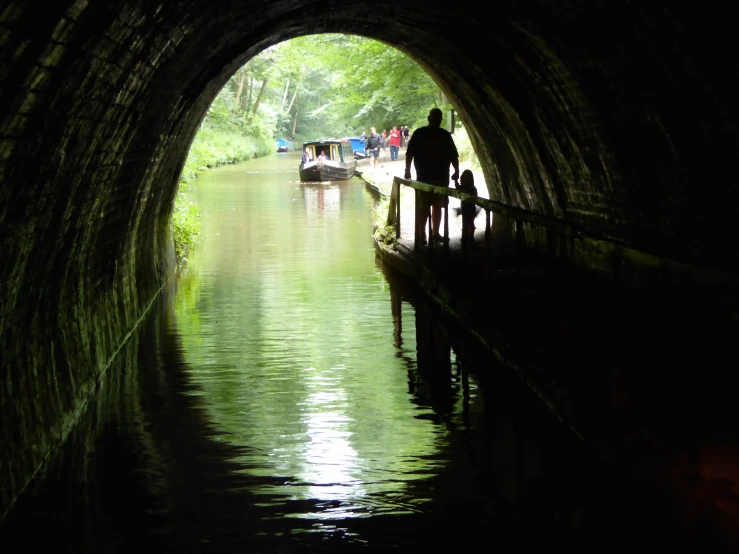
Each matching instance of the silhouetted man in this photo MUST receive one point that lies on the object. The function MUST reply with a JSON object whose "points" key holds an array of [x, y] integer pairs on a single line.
{"points": [[432, 150]]}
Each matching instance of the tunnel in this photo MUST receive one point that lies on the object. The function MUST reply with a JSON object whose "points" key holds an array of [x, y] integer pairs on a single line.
{"points": [[617, 117]]}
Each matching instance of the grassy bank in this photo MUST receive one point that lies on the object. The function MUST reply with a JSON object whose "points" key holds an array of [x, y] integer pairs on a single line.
{"points": [[211, 148]]}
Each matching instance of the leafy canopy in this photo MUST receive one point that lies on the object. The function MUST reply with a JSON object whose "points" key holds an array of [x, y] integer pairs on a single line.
{"points": [[326, 85]]}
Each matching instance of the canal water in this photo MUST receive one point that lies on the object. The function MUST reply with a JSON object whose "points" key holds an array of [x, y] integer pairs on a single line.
{"points": [[288, 393]]}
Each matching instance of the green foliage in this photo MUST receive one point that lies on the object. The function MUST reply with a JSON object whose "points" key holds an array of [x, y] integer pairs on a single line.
{"points": [[224, 138], [186, 225], [213, 148], [381, 209], [220, 116], [464, 147], [384, 233], [346, 84], [315, 86]]}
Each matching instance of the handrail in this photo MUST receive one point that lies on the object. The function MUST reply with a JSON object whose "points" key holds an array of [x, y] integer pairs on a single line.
{"points": [[570, 230]]}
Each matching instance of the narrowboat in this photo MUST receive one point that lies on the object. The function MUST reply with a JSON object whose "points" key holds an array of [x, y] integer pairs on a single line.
{"points": [[283, 145], [336, 163]]}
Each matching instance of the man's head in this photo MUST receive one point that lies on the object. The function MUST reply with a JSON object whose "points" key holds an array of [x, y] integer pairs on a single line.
{"points": [[395, 127], [373, 130], [435, 117]]}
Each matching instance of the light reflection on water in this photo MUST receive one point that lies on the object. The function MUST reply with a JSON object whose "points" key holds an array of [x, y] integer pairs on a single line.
{"points": [[294, 356], [302, 399]]}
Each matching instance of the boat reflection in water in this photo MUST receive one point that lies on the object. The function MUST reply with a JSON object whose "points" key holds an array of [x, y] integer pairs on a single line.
{"points": [[322, 198]]}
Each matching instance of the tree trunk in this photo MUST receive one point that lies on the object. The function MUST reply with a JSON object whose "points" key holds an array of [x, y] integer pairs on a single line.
{"points": [[297, 87], [247, 108], [284, 95], [295, 94], [244, 99], [239, 89], [295, 119], [259, 99]]}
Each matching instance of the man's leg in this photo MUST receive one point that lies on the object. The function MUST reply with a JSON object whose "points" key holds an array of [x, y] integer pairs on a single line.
{"points": [[436, 219], [422, 213]]}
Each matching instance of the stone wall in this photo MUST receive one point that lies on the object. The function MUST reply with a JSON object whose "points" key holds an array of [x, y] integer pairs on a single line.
{"points": [[618, 117]]}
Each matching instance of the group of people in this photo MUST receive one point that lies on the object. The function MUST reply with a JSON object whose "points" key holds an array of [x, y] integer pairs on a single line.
{"points": [[432, 151], [375, 144]]}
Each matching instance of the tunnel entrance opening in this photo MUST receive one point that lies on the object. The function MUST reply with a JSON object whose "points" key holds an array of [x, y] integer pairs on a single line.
{"points": [[309, 88], [628, 132]]}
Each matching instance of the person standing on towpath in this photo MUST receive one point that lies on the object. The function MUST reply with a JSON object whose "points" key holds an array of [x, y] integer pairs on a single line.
{"points": [[372, 147], [394, 143], [432, 150]]}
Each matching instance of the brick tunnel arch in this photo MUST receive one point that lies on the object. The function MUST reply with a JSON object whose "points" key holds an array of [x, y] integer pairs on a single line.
{"points": [[621, 119]]}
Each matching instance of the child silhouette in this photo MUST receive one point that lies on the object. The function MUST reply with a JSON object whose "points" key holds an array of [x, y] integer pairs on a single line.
{"points": [[469, 209]]}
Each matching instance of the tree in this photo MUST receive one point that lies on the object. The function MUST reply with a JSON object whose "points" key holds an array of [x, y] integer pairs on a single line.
{"points": [[355, 83], [256, 102]]}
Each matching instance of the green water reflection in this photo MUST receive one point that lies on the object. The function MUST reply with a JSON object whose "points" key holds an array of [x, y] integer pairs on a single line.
{"points": [[286, 325]]}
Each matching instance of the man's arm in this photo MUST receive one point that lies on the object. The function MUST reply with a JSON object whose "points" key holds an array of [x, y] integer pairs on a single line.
{"points": [[455, 164], [408, 160], [408, 157], [455, 158]]}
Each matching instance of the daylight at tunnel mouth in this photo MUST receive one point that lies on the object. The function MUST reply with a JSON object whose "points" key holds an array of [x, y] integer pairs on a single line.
{"points": [[600, 139]]}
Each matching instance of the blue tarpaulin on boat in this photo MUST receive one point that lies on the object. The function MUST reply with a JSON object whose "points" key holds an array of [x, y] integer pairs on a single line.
{"points": [[358, 146], [283, 145]]}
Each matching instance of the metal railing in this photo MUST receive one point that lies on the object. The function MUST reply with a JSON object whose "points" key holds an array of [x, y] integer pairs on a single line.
{"points": [[567, 232]]}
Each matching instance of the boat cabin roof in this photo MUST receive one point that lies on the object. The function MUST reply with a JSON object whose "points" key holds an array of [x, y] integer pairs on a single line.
{"points": [[323, 141]]}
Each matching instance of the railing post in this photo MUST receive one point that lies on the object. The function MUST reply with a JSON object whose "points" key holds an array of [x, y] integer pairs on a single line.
{"points": [[429, 235], [517, 285], [418, 227], [488, 246], [519, 247], [397, 216], [392, 211], [488, 230], [396, 307], [393, 215], [446, 226]]}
